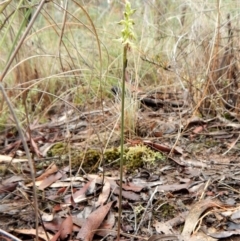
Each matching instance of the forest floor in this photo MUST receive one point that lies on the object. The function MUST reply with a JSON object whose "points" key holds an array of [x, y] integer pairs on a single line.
{"points": [[181, 175]]}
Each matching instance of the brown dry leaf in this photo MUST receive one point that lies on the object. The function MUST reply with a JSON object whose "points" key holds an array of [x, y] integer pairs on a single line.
{"points": [[163, 148], [49, 180], [92, 187], [127, 194], [93, 222], [178, 161], [13, 179], [55, 224], [66, 228], [199, 129], [134, 142], [98, 178], [8, 187], [35, 148], [12, 206], [131, 187], [107, 225], [178, 220], [195, 213], [56, 236], [163, 227], [32, 232], [80, 195], [50, 170], [174, 187], [104, 194], [78, 221]]}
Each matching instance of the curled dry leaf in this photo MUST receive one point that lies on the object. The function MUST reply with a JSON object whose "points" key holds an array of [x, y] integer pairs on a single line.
{"points": [[80, 195], [66, 228], [195, 213], [35, 148], [49, 180], [132, 187], [127, 194], [93, 222], [104, 194], [50, 170], [107, 225]]}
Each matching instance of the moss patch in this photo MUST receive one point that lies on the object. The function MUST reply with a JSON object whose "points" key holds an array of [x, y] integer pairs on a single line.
{"points": [[141, 155], [134, 157]]}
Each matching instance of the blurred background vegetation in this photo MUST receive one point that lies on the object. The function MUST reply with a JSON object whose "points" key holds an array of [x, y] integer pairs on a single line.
{"points": [[73, 53]]}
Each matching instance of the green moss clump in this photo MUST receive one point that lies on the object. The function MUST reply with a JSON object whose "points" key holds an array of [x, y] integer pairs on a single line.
{"points": [[134, 157], [141, 155], [91, 158], [58, 149], [167, 211], [88, 159], [111, 155]]}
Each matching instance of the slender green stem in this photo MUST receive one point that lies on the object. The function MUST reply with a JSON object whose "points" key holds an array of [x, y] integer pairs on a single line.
{"points": [[127, 36], [125, 48], [22, 26]]}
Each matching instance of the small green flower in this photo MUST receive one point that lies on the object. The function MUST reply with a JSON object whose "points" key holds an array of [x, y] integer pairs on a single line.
{"points": [[127, 22]]}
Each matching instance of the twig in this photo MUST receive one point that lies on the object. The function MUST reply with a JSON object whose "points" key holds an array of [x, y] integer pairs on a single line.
{"points": [[231, 146], [143, 216]]}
